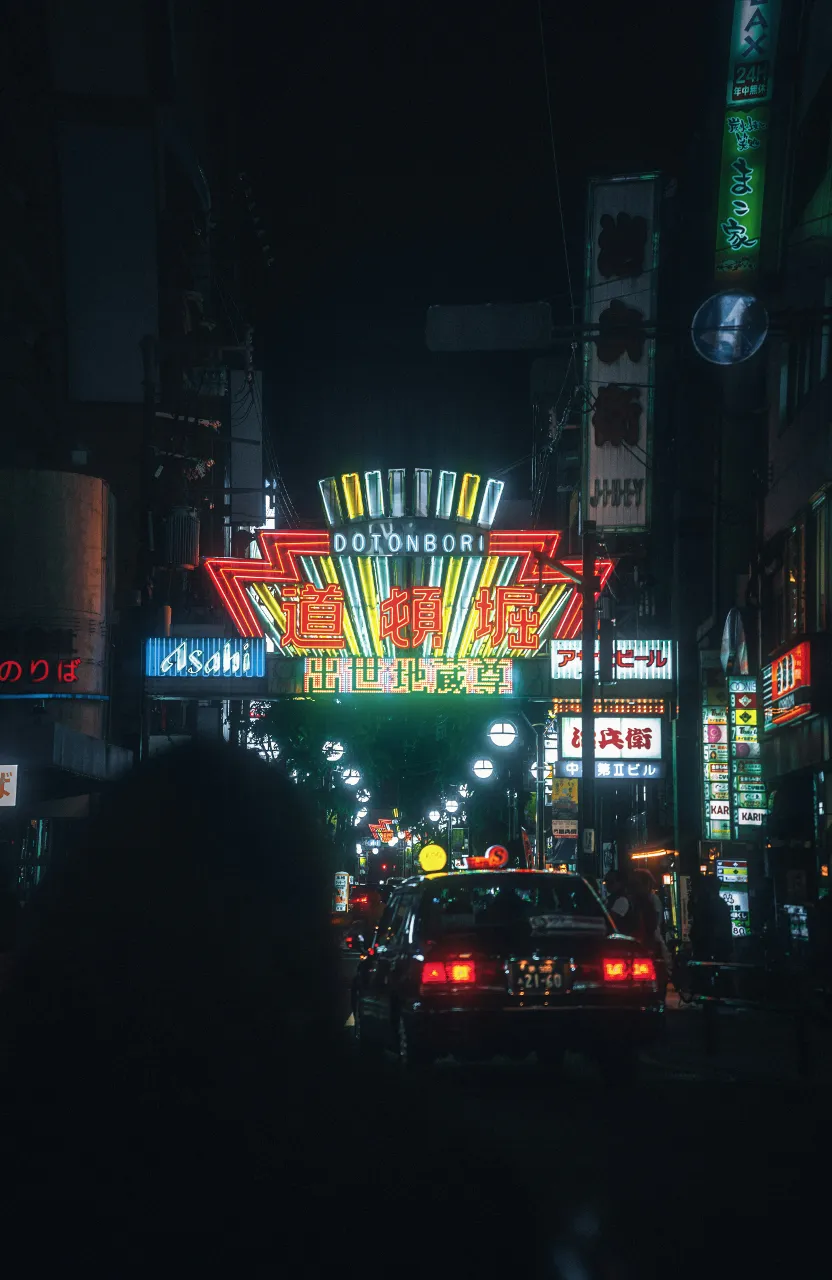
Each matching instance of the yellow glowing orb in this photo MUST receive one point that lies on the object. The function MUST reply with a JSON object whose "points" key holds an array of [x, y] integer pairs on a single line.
{"points": [[433, 858]]}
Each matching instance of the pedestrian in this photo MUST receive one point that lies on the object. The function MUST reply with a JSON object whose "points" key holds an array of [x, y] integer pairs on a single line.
{"points": [[178, 1074], [711, 929], [648, 914], [618, 901]]}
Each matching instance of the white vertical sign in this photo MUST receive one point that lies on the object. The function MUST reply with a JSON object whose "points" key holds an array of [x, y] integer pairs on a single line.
{"points": [[618, 361]]}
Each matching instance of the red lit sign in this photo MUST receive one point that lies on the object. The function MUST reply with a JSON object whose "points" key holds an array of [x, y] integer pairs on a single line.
{"points": [[495, 858], [38, 671], [787, 687]]}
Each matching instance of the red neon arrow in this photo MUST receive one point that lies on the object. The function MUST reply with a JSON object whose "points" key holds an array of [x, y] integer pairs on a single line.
{"points": [[279, 550]]}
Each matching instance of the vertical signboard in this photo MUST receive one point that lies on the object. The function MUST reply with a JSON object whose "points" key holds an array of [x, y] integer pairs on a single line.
{"points": [[745, 141], [748, 793], [716, 776], [622, 245]]}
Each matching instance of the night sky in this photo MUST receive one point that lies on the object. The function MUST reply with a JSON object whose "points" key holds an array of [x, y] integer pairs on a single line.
{"points": [[400, 156]]}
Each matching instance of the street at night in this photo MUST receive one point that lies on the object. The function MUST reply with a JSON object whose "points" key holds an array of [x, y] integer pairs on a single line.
{"points": [[415, 697]]}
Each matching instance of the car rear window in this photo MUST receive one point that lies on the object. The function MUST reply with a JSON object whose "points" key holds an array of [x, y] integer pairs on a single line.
{"points": [[544, 902]]}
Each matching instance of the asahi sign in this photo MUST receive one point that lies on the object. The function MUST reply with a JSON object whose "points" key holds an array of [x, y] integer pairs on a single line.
{"points": [[622, 247]]}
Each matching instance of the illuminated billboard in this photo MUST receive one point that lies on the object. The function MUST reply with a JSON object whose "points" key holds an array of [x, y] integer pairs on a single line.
{"points": [[424, 579], [616, 737], [787, 687], [746, 130], [170, 657], [632, 660], [748, 790]]}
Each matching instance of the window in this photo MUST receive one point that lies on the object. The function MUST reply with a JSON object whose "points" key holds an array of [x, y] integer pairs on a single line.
{"points": [[820, 516], [391, 922], [826, 330], [514, 902], [794, 560]]}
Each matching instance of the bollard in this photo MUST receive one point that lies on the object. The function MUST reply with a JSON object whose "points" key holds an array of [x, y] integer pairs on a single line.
{"points": [[710, 1015]]}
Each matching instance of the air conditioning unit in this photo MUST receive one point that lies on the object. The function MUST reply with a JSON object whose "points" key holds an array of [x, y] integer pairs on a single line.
{"points": [[181, 544]]}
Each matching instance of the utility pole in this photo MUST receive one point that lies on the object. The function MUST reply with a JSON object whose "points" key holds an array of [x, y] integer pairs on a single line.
{"points": [[540, 805], [587, 853]]}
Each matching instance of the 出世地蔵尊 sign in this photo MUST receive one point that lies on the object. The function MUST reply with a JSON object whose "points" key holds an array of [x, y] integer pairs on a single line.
{"points": [[409, 675]]}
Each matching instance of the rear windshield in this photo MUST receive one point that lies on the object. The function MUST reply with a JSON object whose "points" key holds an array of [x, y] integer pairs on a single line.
{"points": [[544, 902]]}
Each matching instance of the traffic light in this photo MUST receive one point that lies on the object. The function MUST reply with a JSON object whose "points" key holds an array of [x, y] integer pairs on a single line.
{"points": [[384, 866]]}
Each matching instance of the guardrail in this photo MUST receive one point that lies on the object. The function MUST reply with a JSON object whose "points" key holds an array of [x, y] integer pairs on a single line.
{"points": [[712, 983]]}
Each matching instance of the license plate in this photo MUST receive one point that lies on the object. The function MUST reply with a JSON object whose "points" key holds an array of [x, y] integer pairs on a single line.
{"points": [[537, 977]]}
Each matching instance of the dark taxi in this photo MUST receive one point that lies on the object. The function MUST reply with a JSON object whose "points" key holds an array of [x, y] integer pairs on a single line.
{"points": [[479, 963]]}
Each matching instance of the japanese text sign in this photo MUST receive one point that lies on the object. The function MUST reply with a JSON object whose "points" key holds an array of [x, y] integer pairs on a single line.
{"points": [[787, 686], [632, 660], [748, 792], [616, 737], [8, 786], [408, 675], [745, 141], [620, 305], [617, 770]]}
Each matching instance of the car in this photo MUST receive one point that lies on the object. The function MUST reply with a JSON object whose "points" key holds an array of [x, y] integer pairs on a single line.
{"points": [[478, 963]]}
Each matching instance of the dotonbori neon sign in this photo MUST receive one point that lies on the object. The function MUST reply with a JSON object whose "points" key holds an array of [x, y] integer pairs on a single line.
{"points": [[435, 581]]}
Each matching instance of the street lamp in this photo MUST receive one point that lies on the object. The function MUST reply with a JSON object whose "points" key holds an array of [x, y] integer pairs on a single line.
{"points": [[451, 806], [483, 768], [361, 813], [350, 777], [503, 733], [333, 751], [362, 795], [434, 815]]}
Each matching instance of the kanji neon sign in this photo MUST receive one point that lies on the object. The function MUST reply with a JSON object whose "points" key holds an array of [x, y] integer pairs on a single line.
{"points": [[433, 580], [485, 676], [616, 737]]}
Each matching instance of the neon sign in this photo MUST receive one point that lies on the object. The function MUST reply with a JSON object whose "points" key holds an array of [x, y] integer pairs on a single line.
{"points": [[787, 687], [748, 791], [170, 656], [39, 670], [616, 737], [436, 581], [484, 676], [632, 660], [622, 770], [745, 140]]}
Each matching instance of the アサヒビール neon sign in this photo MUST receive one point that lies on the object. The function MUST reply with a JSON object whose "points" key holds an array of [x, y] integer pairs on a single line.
{"points": [[435, 581]]}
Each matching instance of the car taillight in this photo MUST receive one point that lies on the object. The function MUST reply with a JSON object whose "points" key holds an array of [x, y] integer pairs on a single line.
{"points": [[459, 971], [638, 970]]}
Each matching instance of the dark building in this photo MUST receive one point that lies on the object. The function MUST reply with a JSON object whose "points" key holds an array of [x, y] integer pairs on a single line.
{"points": [[130, 255]]}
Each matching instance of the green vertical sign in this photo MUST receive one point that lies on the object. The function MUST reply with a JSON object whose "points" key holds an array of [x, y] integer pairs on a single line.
{"points": [[745, 141]]}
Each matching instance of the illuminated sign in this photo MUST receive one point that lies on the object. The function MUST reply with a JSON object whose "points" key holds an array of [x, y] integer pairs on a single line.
{"points": [[611, 706], [620, 306], [632, 660], [787, 687], [215, 657], [436, 581], [38, 671], [408, 675], [748, 798], [616, 737], [341, 891], [432, 858], [383, 830], [620, 770], [716, 765], [745, 141], [738, 903], [8, 786], [495, 858]]}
